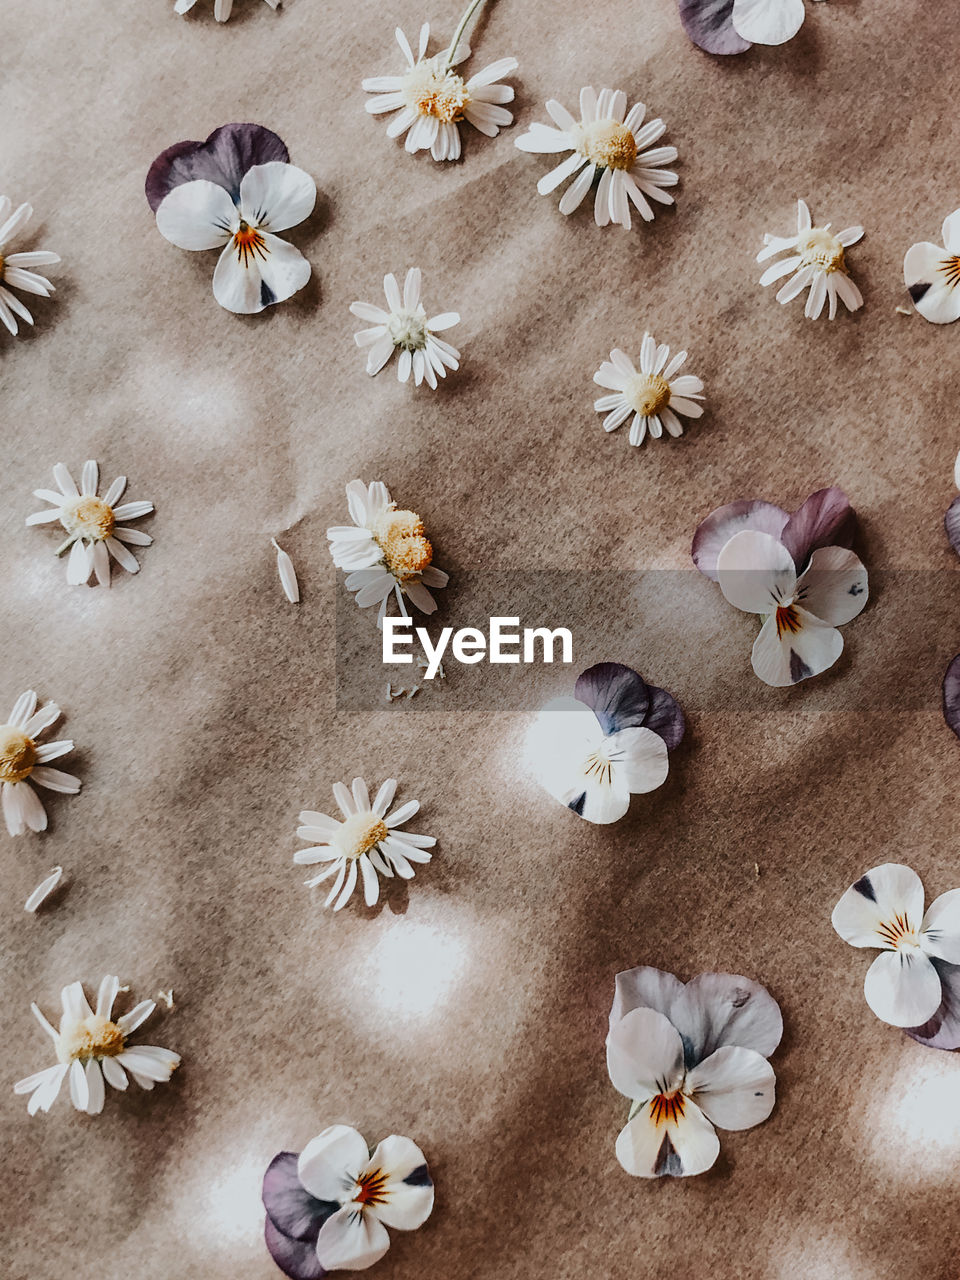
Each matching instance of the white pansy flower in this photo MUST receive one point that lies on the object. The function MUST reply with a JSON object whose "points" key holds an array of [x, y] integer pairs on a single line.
{"points": [[385, 552], [932, 274], [884, 909], [653, 394], [368, 837], [92, 1047], [611, 142], [24, 761], [256, 268], [405, 328], [431, 98], [16, 269], [816, 258], [801, 614], [92, 524]]}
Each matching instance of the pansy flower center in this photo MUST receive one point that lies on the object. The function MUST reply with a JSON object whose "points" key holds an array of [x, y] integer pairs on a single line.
{"points": [[89, 518], [788, 620], [899, 933], [408, 330], [249, 244], [648, 393], [359, 833], [821, 248], [598, 767], [607, 143], [949, 266], [18, 754], [435, 91], [667, 1108], [93, 1037], [371, 1188], [401, 537]]}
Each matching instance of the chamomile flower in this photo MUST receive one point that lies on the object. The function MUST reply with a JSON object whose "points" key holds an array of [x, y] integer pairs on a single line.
{"points": [[24, 761], [92, 1047], [222, 9], [368, 838], [817, 261], [653, 394], [16, 268], [92, 523], [432, 98], [613, 143], [385, 551], [404, 327]]}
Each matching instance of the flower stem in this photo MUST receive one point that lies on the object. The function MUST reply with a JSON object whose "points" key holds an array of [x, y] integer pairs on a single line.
{"points": [[470, 11]]}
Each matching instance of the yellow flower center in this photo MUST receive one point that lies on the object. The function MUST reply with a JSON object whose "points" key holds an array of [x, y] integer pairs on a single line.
{"points": [[606, 143], [402, 538], [899, 933], [648, 393], [821, 248], [93, 1037], [667, 1108], [408, 330], [360, 833], [18, 754], [1, 266], [432, 91], [89, 518], [249, 244]]}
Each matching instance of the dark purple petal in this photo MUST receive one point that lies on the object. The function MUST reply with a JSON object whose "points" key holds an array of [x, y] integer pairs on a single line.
{"points": [[644, 988], [709, 24], [617, 695], [718, 1009], [294, 1211], [715, 532], [224, 158], [951, 522], [295, 1258], [943, 1029], [951, 695], [665, 717], [826, 519]]}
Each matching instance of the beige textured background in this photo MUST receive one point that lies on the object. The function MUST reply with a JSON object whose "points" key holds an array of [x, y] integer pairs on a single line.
{"points": [[469, 1014]]}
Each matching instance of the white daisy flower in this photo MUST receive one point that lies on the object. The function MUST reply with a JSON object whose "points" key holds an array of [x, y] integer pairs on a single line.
{"points": [[368, 837], [385, 551], [15, 268], [91, 1047], [221, 8], [92, 523], [24, 761], [406, 328], [432, 98], [817, 261], [611, 141], [653, 395]]}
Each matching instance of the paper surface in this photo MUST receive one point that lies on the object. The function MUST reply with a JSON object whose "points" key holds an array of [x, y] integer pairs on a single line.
{"points": [[469, 1010]]}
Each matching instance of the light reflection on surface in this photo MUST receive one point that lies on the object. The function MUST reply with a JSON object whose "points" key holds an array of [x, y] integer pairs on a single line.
{"points": [[227, 1200], [916, 1123], [814, 1255], [412, 969]]}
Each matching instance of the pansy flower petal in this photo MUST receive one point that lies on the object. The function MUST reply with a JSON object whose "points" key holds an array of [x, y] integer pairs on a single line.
{"points": [[951, 695], [716, 1010], [277, 196], [755, 571], [351, 1241], [709, 24], [903, 988], [644, 1055], [289, 1205], [295, 1258], [942, 1031], [617, 695], [826, 519], [247, 281], [734, 1088], [408, 1190], [229, 153], [884, 901], [719, 527], [665, 717], [834, 587], [681, 1147], [940, 930], [197, 215], [329, 1162], [767, 21], [951, 522], [932, 277], [794, 648], [644, 988]]}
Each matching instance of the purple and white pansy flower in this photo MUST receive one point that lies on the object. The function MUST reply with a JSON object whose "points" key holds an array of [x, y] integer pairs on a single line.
{"points": [[329, 1208], [692, 1058], [932, 274], [915, 981], [796, 571], [608, 742], [235, 192], [732, 26]]}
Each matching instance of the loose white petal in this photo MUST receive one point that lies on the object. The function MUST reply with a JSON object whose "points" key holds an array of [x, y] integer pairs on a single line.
{"points": [[288, 575], [43, 890]]}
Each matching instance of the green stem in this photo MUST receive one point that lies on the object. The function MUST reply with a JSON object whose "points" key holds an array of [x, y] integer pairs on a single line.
{"points": [[471, 10]]}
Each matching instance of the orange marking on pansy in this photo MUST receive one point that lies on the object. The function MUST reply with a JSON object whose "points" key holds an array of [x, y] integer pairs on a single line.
{"points": [[249, 244], [371, 1187], [951, 269], [787, 620], [895, 930], [667, 1108]]}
